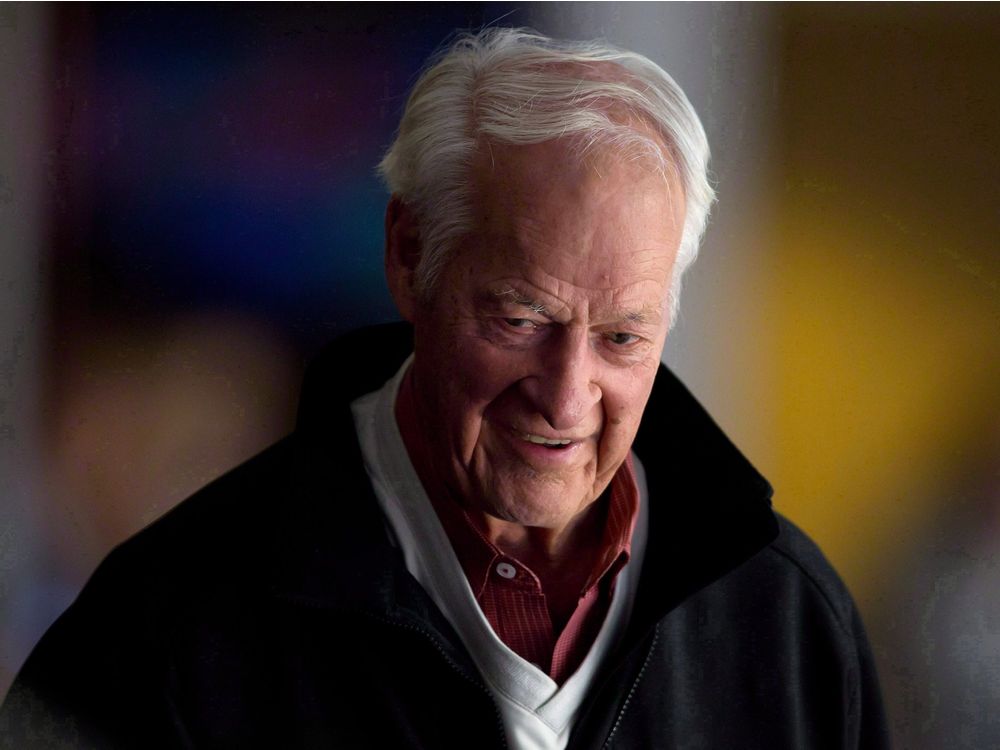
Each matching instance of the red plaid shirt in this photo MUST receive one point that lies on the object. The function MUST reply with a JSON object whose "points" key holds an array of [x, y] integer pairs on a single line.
{"points": [[508, 592]]}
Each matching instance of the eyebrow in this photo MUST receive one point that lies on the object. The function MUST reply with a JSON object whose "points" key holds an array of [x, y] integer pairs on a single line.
{"points": [[645, 316], [641, 317], [524, 301]]}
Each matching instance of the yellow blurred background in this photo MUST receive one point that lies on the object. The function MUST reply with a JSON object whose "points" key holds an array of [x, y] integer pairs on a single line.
{"points": [[885, 275]]}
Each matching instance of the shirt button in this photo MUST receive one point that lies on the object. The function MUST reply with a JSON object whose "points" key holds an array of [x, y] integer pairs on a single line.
{"points": [[506, 570]]}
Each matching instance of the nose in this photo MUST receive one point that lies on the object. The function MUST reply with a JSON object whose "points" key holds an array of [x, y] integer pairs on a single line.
{"points": [[563, 386]]}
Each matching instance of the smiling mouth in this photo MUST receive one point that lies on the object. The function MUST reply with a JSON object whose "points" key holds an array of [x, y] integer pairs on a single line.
{"points": [[547, 442]]}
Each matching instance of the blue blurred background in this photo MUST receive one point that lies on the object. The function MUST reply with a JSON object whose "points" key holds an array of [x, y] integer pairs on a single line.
{"points": [[189, 210]]}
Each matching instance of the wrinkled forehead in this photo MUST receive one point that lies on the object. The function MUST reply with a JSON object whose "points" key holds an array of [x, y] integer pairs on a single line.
{"points": [[516, 176], [640, 149], [539, 198]]}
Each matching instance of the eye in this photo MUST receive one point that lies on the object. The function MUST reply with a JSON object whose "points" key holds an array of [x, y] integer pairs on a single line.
{"points": [[620, 338], [520, 323]]}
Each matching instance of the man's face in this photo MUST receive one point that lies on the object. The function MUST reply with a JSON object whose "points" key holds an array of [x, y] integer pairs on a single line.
{"points": [[536, 357]]}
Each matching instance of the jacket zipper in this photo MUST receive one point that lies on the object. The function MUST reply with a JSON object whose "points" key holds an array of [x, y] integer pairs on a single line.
{"points": [[631, 692]]}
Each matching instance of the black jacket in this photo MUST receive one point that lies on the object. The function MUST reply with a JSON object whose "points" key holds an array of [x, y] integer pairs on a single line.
{"points": [[269, 610]]}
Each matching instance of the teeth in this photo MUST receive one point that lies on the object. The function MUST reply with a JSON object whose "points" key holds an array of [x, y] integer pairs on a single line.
{"points": [[545, 441]]}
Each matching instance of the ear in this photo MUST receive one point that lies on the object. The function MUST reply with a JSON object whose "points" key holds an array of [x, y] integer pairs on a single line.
{"points": [[402, 254]]}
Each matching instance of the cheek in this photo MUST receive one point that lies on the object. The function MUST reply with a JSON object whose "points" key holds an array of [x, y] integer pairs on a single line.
{"points": [[487, 371], [623, 411], [620, 430], [478, 381]]}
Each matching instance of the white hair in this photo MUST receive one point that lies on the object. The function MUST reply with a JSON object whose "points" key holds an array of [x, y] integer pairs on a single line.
{"points": [[517, 87]]}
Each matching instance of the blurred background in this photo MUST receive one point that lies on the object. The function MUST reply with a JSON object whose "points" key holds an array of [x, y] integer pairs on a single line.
{"points": [[189, 210]]}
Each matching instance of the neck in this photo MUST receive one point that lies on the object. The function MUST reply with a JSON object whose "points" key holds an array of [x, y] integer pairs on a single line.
{"points": [[544, 549], [562, 559]]}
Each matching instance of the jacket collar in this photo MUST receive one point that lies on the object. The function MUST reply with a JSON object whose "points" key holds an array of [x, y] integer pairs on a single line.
{"points": [[709, 509]]}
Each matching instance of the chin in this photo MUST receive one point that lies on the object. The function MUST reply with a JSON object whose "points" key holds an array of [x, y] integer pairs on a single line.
{"points": [[547, 507]]}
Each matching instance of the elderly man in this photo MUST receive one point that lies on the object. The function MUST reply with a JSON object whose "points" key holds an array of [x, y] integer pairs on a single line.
{"points": [[504, 524]]}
